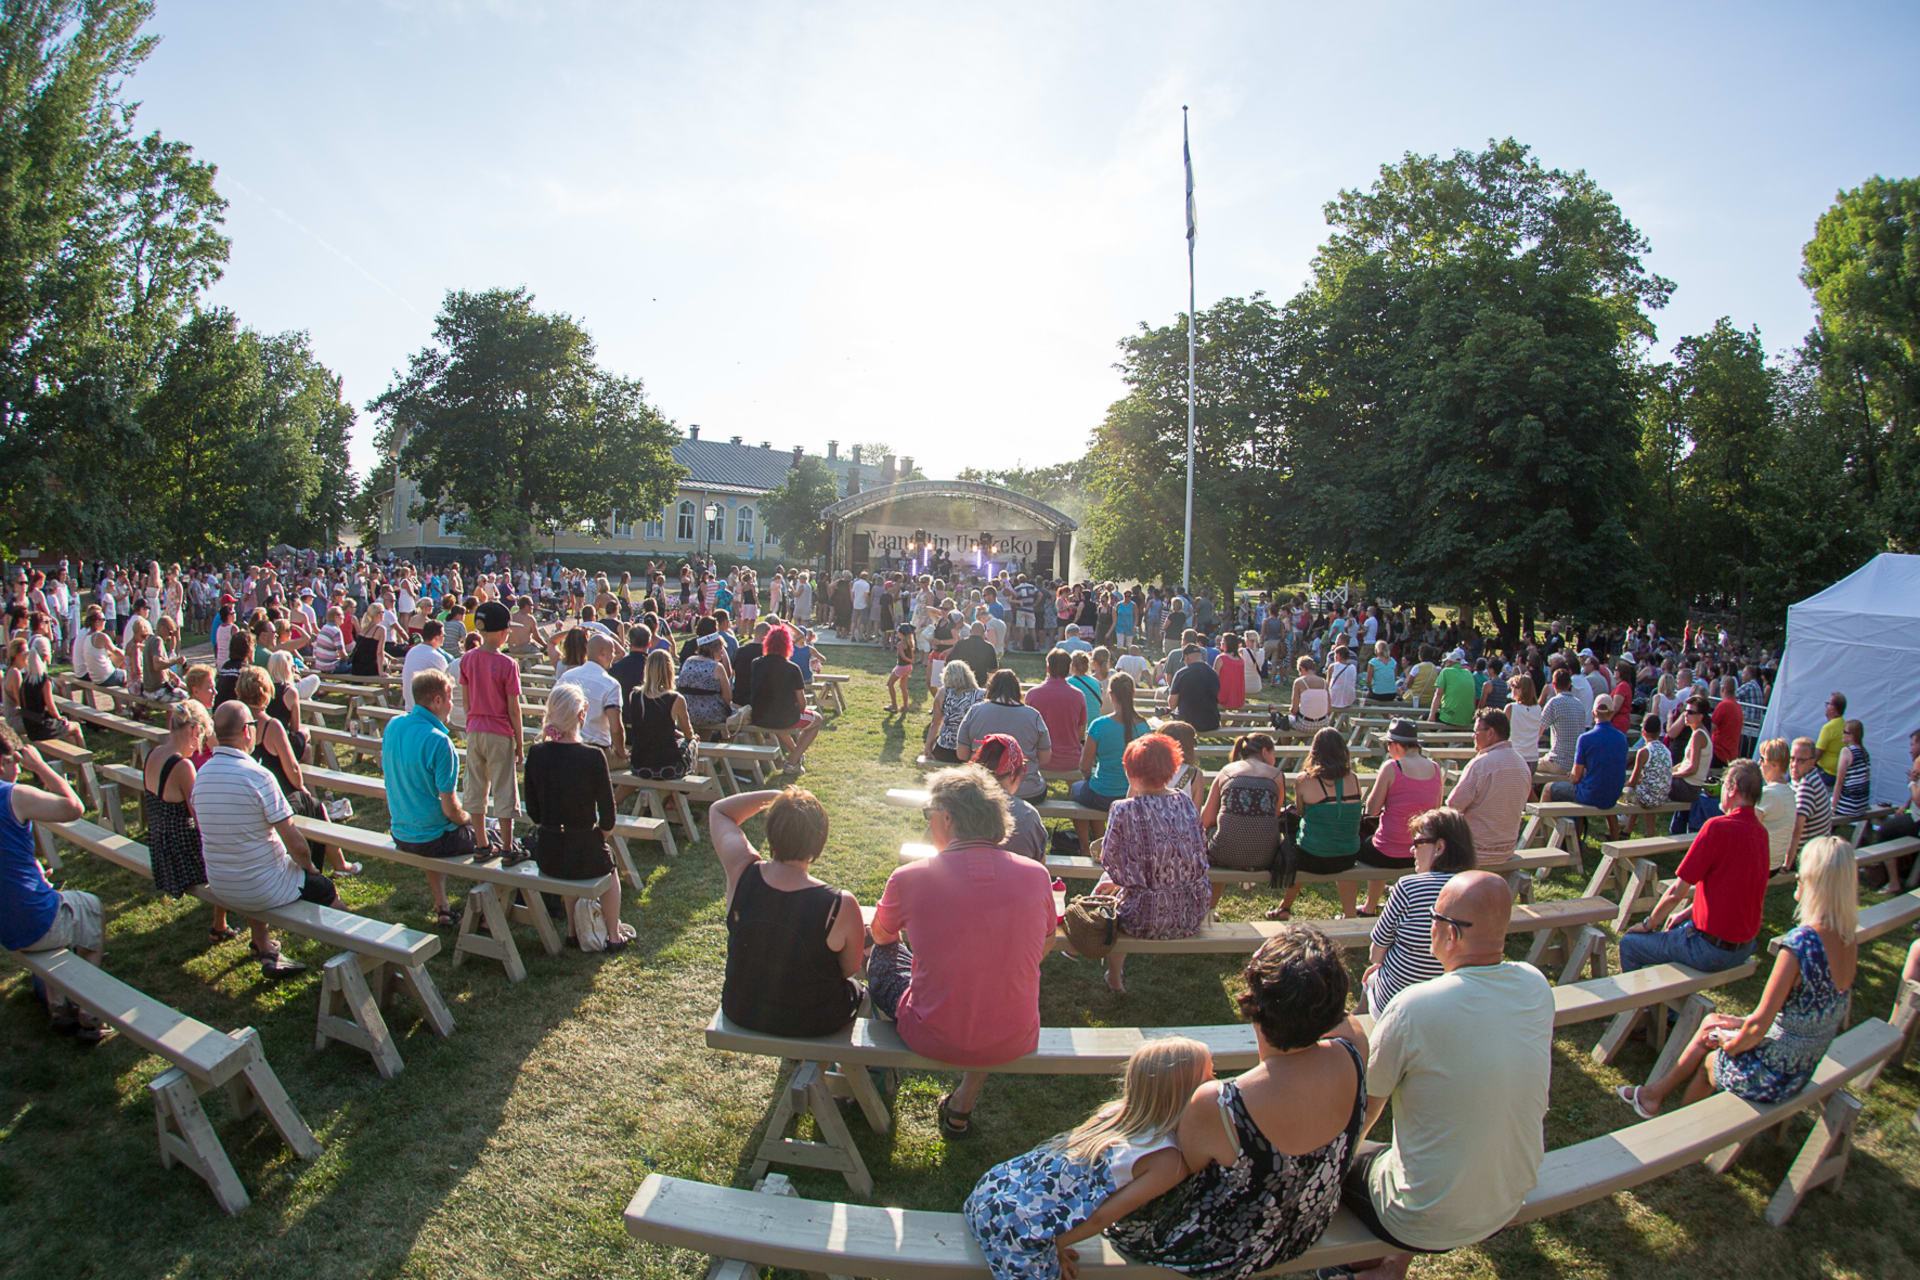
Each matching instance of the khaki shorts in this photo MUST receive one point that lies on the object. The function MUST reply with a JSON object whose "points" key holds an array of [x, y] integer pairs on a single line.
{"points": [[490, 775], [77, 925], [1552, 768]]}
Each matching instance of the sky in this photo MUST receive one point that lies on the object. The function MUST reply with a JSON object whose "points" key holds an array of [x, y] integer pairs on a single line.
{"points": [[929, 226]]}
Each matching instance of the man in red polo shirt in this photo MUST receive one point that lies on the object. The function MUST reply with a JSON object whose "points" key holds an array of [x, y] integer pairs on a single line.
{"points": [[1725, 871], [1728, 722]]}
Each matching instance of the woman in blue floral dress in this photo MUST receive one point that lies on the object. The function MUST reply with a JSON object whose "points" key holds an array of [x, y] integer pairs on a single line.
{"points": [[1026, 1212], [1771, 1053]]}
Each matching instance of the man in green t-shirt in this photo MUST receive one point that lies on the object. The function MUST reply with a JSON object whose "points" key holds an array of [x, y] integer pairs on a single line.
{"points": [[1454, 693]]}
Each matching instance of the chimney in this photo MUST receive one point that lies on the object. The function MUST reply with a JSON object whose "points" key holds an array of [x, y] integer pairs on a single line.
{"points": [[906, 467], [856, 455], [886, 469], [766, 444], [736, 439], [693, 432], [798, 452], [833, 450], [853, 478]]}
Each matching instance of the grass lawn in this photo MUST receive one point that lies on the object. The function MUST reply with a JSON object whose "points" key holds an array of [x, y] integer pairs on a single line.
{"points": [[511, 1148]]}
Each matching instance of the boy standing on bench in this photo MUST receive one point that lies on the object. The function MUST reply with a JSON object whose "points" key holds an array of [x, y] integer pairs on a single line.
{"points": [[490, 682]]}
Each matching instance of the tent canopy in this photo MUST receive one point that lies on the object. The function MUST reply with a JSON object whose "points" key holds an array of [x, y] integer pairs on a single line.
{"points": [[1860, 637]]}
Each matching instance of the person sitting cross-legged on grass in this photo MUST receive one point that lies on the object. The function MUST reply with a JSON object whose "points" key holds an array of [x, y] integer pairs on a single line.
{"points": [[1770, 1054], [1465, 1059], [794, 943], [1725, 871], [968, 990]]}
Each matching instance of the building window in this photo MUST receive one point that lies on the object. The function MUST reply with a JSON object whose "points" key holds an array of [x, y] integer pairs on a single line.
{"points": [[716, 523], [743, 528], [656, 528], [452, 523], [622, 528]]}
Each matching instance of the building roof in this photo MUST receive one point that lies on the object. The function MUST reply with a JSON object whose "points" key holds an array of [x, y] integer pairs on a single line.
{"points": [[746, 467]]}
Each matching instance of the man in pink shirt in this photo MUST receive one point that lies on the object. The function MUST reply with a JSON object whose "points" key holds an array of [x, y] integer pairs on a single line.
{"points": [[1493, 788], [490, 683], [968, 990], [1064, 708]]}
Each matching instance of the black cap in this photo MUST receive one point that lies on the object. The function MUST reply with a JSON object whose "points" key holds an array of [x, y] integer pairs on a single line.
{"points": [[493, 616]]}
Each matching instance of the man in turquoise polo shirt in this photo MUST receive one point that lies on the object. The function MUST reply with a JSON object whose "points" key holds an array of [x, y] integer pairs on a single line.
{"points": [[423, 783]]}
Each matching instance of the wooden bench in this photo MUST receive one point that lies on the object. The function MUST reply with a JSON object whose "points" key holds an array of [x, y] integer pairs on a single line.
{"points": [[758, 760], [835, 1066], [909, 1244], [1556, 823], [395, 957], [203, 1060], [928, 763], [1078, 868], [500, 897], [829, 684], [144, 735], [1629, 865], [75, 764], [654, 793]]}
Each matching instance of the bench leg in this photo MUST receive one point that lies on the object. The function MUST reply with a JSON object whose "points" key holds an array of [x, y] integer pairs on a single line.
{"points": [[1618, 1031], [534, 909], [1822, 1158], [688, 822], [1548, 946], [1519, 882], [855, 1083], [49, 854], [110, 809], [1641, 872], [186, 1137], [1693, 1011], [484, 904], [344, 990], [1588, 952], [273, 1100], [1905, 1018], [420, 985], [328, 757], [807, 1094], [624, 854]]}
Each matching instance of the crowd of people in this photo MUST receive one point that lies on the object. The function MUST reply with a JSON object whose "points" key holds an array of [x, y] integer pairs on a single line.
{"points": [[1210, 1177]]}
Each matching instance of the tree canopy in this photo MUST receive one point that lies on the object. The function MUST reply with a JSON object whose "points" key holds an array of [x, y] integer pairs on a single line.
{"points": [[792, 508], [506, 420]]}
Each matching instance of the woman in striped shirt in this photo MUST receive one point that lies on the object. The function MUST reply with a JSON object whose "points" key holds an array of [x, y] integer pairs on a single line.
{"points": [[1402, 953]]}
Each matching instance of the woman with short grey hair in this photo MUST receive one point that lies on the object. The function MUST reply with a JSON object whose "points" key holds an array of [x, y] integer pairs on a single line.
{"points": [[959, 691], [975, 805]]}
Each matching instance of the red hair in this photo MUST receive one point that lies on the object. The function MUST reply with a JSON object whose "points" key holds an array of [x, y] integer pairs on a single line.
{"points": [[778, 644], [1151, 760]]}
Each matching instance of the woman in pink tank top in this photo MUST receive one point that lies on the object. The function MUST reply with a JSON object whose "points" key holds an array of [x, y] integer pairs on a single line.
{"points": [[1407, 786]]}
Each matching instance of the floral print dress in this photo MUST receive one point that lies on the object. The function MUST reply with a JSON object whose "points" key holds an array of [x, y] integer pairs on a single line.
{"points": [[1229, 1222], [1020, 1206], [1156, 854], [1780, 1065]]}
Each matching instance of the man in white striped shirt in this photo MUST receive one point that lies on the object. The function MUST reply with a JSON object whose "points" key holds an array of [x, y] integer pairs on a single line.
{"points": [[256, 859], [1566, 716]]}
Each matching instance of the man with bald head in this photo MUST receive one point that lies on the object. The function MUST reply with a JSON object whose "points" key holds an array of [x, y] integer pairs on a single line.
{"points": [[1466, 1059], [603, 728]]}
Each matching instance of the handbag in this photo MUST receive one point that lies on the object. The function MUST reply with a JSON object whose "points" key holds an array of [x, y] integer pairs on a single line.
{"points": [[589, 924], [1092, 922], [1064, 841]]}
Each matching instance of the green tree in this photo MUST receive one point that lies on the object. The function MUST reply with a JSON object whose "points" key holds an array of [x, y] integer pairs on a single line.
{"points": [[1137, 465], [248, 440], [1460, 385], [105, 239], [792, 508], [1863, 266], [1709, 446], [507, 418]]}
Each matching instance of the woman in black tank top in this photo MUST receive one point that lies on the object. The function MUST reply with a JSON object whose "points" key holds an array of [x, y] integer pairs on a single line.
{"points": [[793, 943]]}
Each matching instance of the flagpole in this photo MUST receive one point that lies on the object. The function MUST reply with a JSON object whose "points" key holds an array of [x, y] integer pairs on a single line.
{"points": [[1186, 554]]}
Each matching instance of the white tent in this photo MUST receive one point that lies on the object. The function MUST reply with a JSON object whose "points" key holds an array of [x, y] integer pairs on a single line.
{"points": [[1861, 636]]}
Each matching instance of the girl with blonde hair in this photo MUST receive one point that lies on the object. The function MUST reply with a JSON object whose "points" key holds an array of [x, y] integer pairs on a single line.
{"points": [[1028, 1211], [1770, 1054], [660, 737]]}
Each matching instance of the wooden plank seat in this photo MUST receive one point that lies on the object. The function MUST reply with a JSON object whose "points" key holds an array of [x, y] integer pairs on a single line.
{"points": [[812, 1236], [654, 793], [1556, 823], [624, 830], [743, 760], [203, 1060], [928, 763], [1078, 868], [351, 1008], [1630, 865], [76, 765], [836, 1065], [501, 895], [143, 733]]}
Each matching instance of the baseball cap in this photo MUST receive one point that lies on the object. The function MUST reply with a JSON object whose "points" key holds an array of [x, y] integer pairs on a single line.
{"points": [[493, 616], [1458, 655]]}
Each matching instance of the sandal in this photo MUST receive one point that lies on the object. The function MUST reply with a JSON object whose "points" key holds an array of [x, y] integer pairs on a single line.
{"points": [[348, 871], [448, 919], [954, 1124], [1630, 1094], [1280, 913], [224, 932]]}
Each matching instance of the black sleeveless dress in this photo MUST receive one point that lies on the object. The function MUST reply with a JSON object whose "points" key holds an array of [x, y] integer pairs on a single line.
{"points": [[782, 978], [173, 839], [1229, 1222]]}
